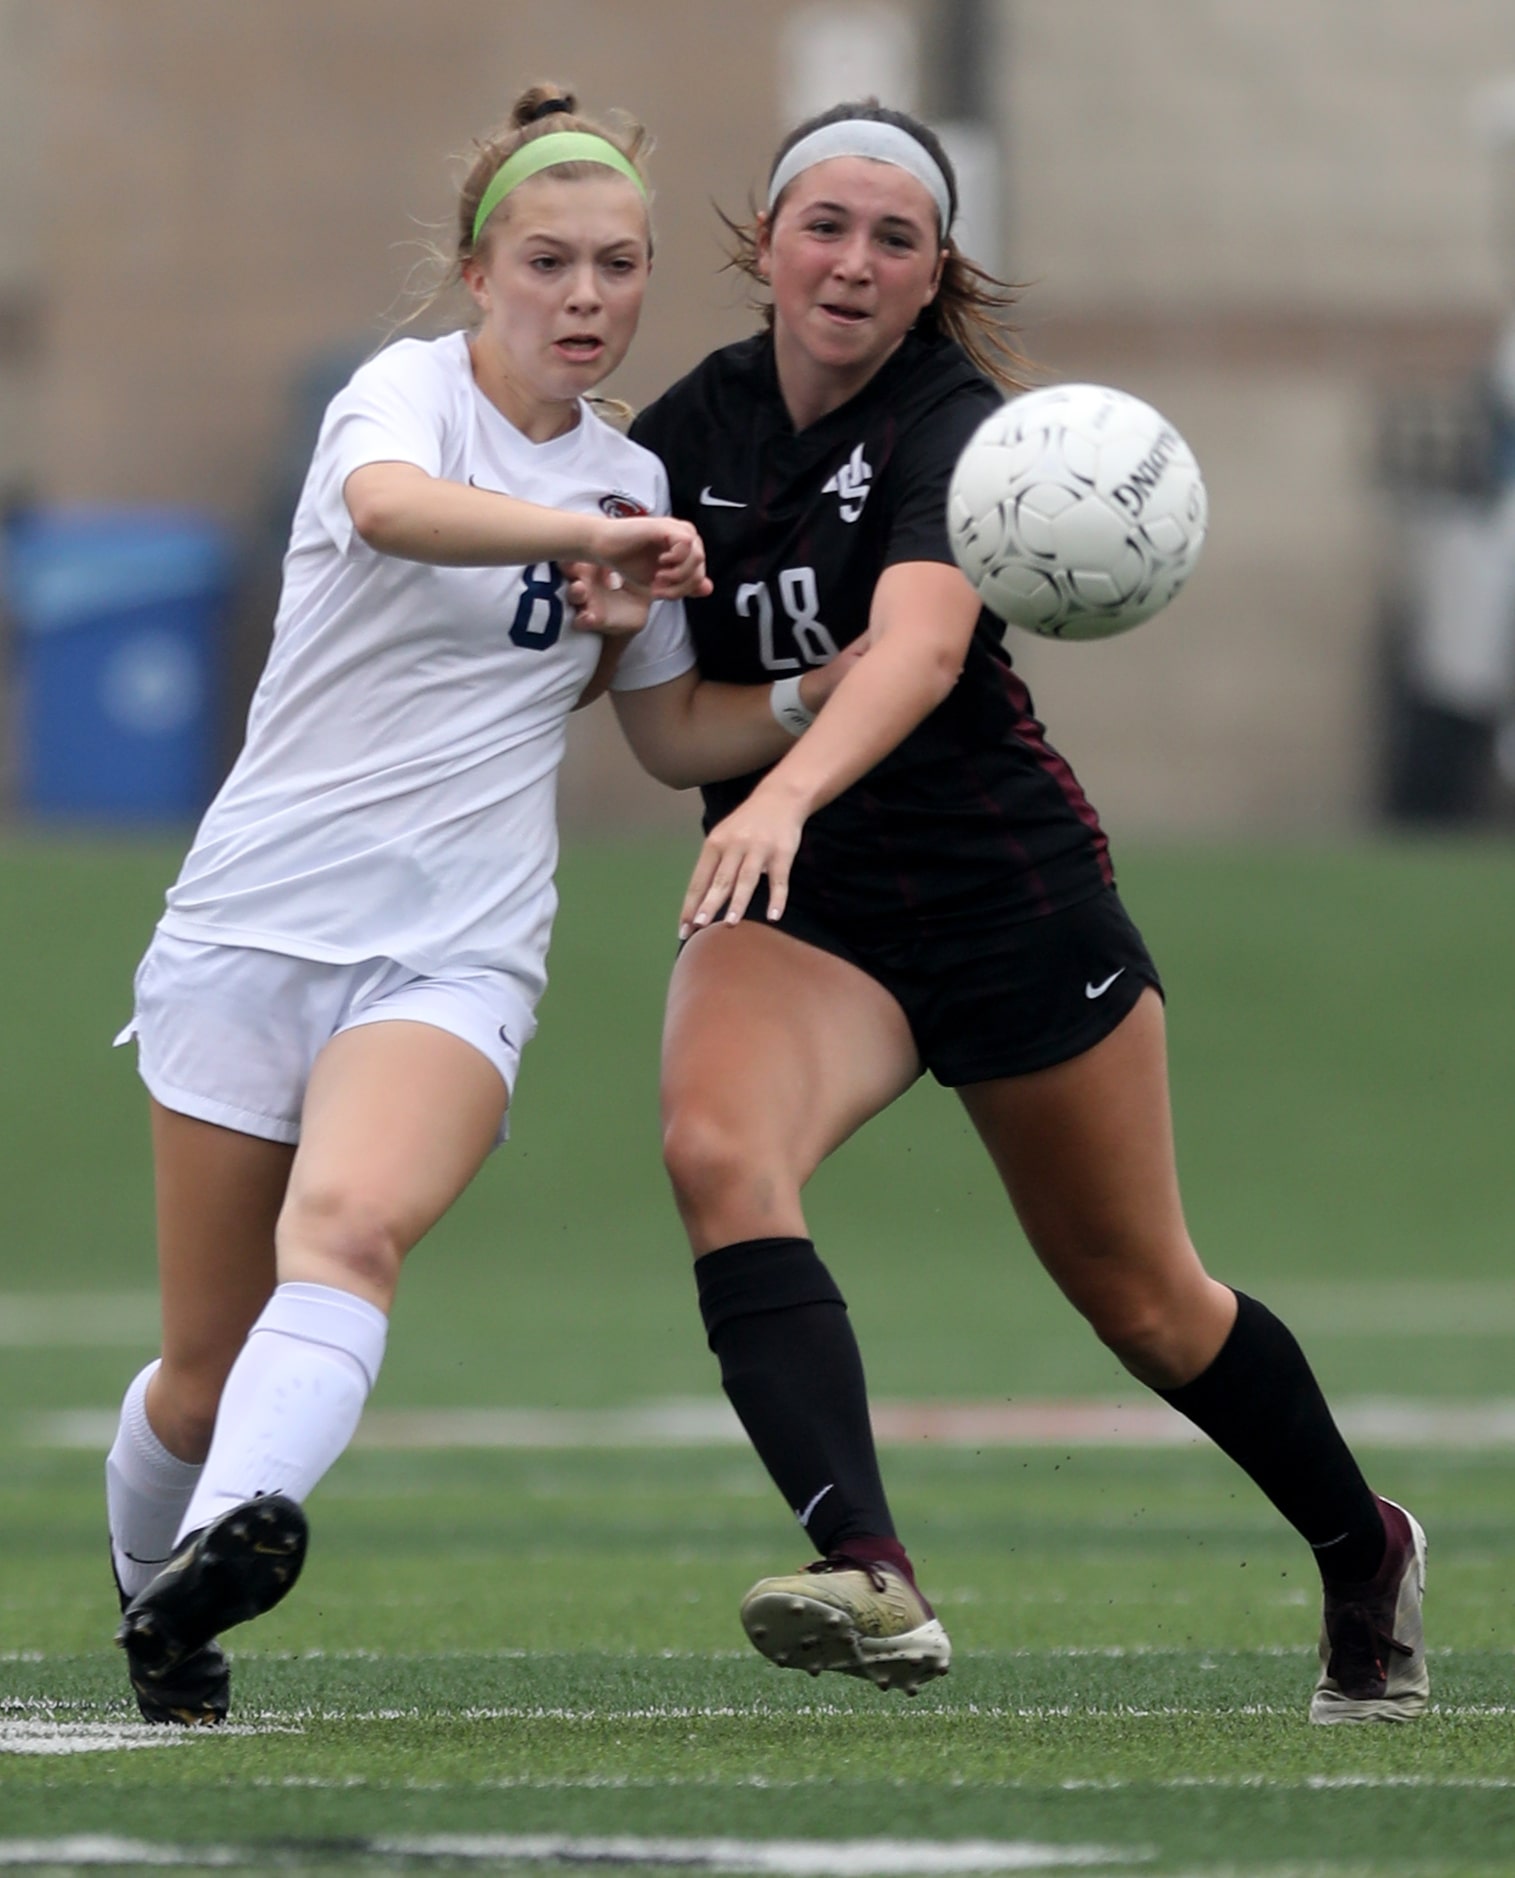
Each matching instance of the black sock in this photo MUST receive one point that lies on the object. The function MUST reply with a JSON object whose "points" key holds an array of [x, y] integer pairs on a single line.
{"points": [[1259, 1402], [791, 1369]]}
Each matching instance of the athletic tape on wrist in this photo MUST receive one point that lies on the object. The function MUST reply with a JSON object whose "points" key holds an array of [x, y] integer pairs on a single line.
{"points": [[788, 707]]}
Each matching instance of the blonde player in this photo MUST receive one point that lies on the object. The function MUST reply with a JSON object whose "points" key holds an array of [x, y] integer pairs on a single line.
{"points": [[331, 1014]]}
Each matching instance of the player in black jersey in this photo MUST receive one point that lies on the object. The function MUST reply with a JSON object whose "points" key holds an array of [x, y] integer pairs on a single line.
{"points": [[920, 883]]}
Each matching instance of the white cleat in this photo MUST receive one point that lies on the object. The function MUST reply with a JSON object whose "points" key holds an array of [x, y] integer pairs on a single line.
{"points": [[1372, 1648]]}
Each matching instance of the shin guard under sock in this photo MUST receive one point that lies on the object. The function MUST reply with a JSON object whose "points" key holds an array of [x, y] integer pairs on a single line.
{"points": [[146, 1491], [1259, 1402], [292, 1400], [791, 1369]]}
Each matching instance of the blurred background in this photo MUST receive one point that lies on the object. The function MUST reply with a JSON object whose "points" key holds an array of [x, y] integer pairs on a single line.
{"points": [[1292, 227], [1289, 225]]}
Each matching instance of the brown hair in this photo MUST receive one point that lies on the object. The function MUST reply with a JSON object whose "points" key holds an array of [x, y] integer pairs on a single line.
{"points": [[970, 304]]}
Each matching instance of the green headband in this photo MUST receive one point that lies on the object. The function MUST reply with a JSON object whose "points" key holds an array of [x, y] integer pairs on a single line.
{"points": [[543, 153]]}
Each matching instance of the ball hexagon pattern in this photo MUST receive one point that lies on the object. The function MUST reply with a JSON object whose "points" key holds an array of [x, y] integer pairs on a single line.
{"points": [[1076, 511]]}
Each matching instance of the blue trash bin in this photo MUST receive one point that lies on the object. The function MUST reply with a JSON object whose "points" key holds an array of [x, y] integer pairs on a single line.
{"points": [[120, 618]]}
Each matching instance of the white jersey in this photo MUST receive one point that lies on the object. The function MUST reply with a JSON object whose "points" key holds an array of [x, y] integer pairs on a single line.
{"points": [[396, 796]]}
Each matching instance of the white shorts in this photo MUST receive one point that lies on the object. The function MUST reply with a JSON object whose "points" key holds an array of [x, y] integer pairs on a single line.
{"points": [[228, 1034]]}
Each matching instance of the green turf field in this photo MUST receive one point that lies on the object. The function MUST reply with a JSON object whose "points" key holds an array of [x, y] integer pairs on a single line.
{"points": [[506, 1653]]}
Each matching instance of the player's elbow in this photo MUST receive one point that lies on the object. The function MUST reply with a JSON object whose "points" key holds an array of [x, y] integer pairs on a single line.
{"points": [[668, 767], [944, 670], [659, 730], [662, 755], [382, 507], [375, 517]]}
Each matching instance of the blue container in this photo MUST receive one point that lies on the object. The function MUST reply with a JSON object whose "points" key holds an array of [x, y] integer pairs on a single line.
{"points": [[120, 618]]}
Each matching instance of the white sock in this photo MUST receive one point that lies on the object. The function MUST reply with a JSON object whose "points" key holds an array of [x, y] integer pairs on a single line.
{"points": [[293, 1398], [146, 1492]]}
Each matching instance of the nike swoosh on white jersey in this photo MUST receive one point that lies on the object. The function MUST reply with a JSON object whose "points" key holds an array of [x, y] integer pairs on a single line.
{"points": [[718, 502], [1099, 990]]}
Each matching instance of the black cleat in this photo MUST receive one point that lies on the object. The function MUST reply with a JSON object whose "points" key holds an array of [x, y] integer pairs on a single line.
{"points": [[237, 1567], [195, 1695]]}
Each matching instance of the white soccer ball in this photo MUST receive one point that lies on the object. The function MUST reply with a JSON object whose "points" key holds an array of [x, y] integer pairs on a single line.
{"points": [[1076, 511]]}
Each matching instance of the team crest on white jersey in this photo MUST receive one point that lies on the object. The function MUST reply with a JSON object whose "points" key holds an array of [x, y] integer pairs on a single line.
{"points": [[851, 483], [621, 507]]}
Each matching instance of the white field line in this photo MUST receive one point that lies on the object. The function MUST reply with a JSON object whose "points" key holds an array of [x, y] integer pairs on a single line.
{"points": [[1275, 1783], [788, 1858], [1367, 1421], [794, 1858], [1396, 1307], [298, 1720], [70, 1320], [944, 1714], [1111, 1783], [48, 1737], [943, 1711], [1053, 1652], [54, 1737], [1407, 1307]]}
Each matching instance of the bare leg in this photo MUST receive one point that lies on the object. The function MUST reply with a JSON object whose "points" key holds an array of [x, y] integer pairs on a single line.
{"points": [[398, 1118], [1085, 1150], [774, 1052], [218, 1196]]}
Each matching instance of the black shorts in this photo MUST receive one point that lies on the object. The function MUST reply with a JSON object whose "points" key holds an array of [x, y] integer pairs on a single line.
{"points": [[1002, 1000]]}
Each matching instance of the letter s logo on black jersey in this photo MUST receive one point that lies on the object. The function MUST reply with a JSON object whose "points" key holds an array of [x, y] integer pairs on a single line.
{"points": [[851, 483]]}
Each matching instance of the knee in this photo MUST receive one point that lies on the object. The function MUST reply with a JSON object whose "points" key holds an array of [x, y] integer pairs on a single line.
{"points": [[329, 1235], [714, 1164], [1164, 1336], [1138, 1329]]}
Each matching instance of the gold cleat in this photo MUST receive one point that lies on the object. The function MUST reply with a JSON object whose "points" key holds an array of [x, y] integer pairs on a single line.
{"points": [[860, 1619]]}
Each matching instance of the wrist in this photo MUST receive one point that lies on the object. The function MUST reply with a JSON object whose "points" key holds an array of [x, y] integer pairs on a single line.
{"points": [[789, 708], [598, 544], [793, 795], [816, 685]]}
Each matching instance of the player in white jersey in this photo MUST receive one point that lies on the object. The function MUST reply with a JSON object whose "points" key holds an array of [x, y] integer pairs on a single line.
{"points": [[332, 1011]]}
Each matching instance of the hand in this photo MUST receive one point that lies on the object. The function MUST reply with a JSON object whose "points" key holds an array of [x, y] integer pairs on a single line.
{"points": [[759, 837], [603, 602], [658, 552]]}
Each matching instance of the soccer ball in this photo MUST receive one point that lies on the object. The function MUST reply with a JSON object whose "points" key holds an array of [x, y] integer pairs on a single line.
{"points": [[1076, 511]]}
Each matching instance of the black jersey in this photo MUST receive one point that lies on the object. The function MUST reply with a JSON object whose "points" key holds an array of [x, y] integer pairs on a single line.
{"points": [[973, 815]]}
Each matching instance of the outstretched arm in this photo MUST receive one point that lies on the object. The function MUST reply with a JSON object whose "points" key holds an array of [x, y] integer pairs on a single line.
{"points": [[692, 730], [920, 625], [398, 509]]}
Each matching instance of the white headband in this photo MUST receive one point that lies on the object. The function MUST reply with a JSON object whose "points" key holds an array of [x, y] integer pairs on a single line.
{"points": [[865, 137]]}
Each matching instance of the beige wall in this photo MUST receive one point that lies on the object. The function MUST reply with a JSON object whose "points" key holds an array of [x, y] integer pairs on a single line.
{"points": [[1272, 155], [1257, 213], [238, 186], [20, 224]]}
